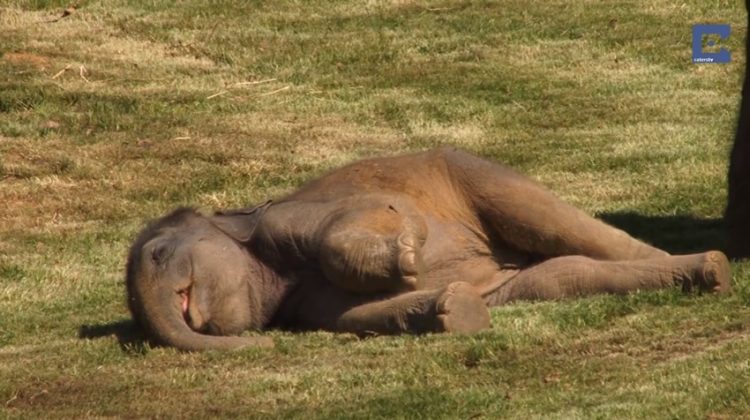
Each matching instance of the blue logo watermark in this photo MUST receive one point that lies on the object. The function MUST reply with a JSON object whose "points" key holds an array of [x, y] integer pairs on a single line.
{"points": [[706, 44]]}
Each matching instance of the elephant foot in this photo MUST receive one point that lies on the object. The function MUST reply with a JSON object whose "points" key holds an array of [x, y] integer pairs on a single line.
{"points": [[461, 309], [409, 261], [715, 273]]}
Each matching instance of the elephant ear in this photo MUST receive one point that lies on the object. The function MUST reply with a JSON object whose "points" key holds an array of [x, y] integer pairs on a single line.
{"points": [[241, 223]]}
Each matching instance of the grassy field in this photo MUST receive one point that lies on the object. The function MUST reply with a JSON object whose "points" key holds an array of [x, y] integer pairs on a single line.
{"points": [[126, 109]]}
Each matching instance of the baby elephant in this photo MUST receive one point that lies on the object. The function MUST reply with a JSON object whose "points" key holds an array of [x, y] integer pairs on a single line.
{"points": [[409, 244]]}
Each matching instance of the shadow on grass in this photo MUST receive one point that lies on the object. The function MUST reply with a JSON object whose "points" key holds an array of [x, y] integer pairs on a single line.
{"points": [[128, 334], [679, 234]]}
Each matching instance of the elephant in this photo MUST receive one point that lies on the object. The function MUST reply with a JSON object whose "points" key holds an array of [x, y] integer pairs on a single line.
{"points": [[417, 243], [737, 212]]}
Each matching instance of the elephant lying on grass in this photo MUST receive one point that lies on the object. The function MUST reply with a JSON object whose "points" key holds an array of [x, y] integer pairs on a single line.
{"points": [[416, 243]]}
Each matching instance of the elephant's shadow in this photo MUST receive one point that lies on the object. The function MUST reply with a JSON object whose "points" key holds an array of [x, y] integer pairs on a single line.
{"points": [[677, 234], [130, 337]]}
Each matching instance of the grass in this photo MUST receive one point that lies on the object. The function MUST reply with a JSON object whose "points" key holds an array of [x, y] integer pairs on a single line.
{"points": [[126, 109]]}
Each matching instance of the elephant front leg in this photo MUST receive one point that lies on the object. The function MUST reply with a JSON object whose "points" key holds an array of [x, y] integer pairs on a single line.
{"points": [[456, 308], [374, 250]]}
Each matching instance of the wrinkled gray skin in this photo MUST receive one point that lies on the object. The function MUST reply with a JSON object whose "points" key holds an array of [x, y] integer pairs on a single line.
{"points": [[415, 243]]}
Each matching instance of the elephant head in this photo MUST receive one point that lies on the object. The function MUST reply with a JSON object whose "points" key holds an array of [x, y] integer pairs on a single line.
{"points": [[191, 282]]}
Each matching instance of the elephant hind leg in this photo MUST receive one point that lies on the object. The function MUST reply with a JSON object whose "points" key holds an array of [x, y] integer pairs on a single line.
{"points": [[528, 217], [573, 276]]}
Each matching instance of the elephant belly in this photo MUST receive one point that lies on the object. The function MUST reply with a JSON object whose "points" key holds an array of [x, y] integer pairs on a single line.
{"points": [[453, 252]]}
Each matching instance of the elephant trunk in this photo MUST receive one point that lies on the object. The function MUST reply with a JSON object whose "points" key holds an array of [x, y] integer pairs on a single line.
{"points": [[162, 317]]}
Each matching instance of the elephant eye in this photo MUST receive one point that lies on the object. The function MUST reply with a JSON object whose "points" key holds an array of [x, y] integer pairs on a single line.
{"points": [[160, 253]]}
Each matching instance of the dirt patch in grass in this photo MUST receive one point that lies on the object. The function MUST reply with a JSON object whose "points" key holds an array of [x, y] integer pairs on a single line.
{"points": [[39, 62], [660, 349]]}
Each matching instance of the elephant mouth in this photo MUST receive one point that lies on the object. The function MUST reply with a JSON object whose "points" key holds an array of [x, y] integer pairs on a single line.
{"points": [[185, 296]]}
